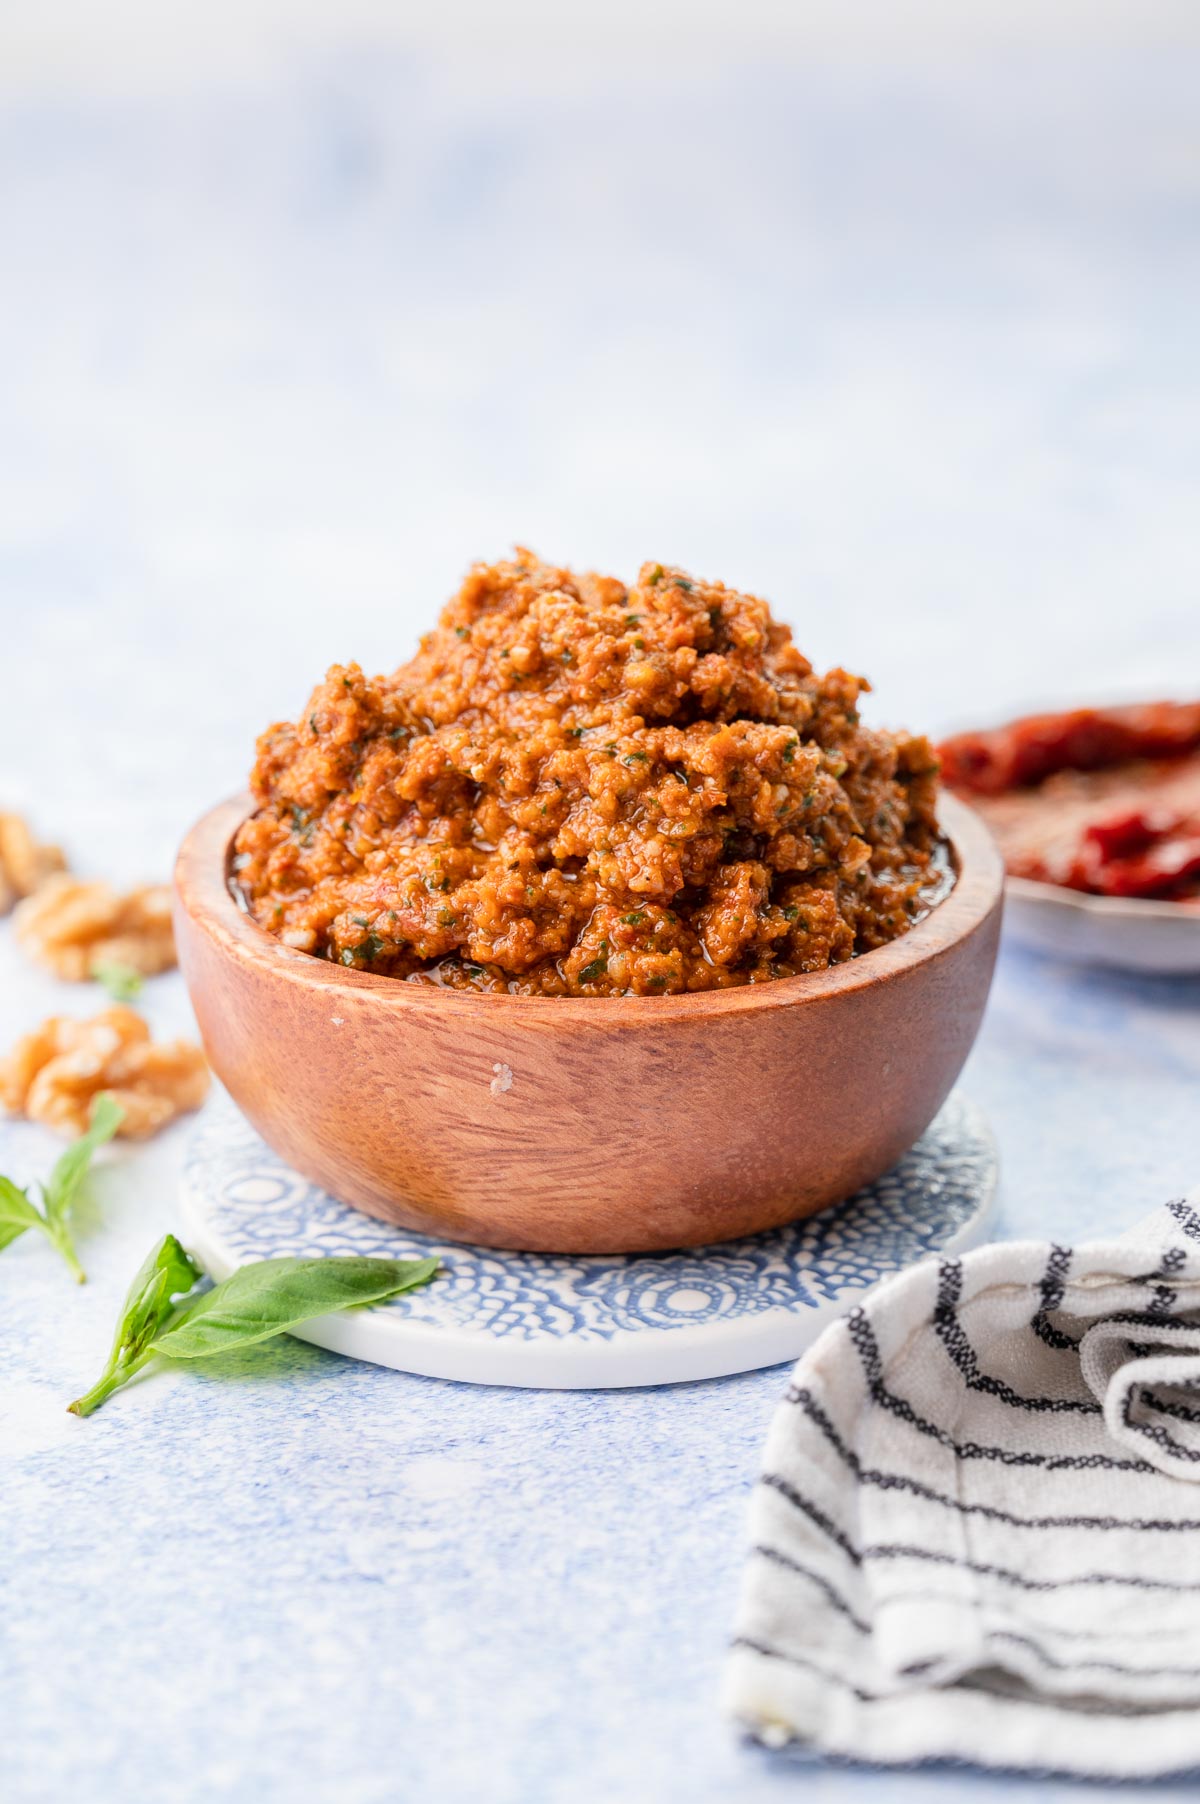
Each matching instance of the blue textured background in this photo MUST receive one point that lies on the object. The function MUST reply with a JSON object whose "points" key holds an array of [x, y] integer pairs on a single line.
{"points": [[909, 344]]}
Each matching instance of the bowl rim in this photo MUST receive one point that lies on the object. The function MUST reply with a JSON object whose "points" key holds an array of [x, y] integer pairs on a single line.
{"points": [[202, 893]]}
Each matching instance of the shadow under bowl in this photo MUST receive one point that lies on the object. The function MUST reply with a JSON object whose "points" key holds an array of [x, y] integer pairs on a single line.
{"points": [[588, 1125]]}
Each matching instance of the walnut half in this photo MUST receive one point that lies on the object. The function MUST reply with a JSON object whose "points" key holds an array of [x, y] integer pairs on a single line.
{"points": [[24, 864], [71, 926], [54, 1074]]}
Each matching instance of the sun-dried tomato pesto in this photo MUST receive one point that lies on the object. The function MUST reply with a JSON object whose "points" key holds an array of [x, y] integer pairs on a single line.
{"points": [[581, 789]]}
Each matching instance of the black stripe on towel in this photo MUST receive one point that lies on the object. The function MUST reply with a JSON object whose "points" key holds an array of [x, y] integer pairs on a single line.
{"points": [[1027, 1702], [1135, 1581], [1179, 1411], [832, 1595], [861, 1334], [936, 1557], [1053, 1288], [821, 1672], [1153, 1431], [900, 1481], [1187, 1218], [776, 1557], [1096, 1665], [953, 1337]]}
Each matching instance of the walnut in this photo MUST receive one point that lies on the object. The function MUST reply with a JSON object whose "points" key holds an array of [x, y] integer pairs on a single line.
{"points": [[71, 926], [24, 864], [54, 1074]]}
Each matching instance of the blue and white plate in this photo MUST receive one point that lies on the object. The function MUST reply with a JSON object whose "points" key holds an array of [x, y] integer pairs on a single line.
{"points": [[555, 1322]]}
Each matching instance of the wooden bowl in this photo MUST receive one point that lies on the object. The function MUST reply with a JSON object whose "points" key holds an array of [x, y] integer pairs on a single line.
{"points": [[588, 1125]]}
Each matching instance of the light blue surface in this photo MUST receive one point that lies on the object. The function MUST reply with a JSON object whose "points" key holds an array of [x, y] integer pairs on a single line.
{"points": [[308, 1573], [250, 1205], [909, 349]]}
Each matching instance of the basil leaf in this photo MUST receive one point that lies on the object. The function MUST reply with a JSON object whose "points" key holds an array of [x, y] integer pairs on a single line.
{"points": [[62, 1187], [17, 1213], [168, 1271], [122, 982], [253, 1304], [267, 1298]]}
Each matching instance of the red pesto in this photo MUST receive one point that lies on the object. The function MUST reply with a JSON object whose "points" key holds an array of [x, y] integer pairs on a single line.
{"points": [[583, 788]]}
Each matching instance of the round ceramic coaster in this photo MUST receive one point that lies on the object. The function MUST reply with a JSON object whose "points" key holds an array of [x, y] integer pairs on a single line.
{"points": [[557, 1322]]}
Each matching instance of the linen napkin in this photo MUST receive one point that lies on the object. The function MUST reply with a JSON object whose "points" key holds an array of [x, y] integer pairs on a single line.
{"points": [[977, 1533]]}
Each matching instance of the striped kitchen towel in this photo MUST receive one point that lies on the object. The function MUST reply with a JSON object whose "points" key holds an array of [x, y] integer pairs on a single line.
{"points": [[977, 1533]]}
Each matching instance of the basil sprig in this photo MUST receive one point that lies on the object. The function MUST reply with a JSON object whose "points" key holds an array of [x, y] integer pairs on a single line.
{"points": [[122, 982], [165, 1317], [18, 1211]]}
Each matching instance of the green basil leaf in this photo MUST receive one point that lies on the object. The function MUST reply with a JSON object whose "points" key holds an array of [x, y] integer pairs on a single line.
{"points": [[122, 982], [169, 1271], [63, 1184], [272, 1295], [17, 1213], [253, 1304]]}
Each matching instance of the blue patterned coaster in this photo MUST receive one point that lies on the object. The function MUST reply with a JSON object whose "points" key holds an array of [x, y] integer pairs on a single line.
{"points": [[556, 1321]]}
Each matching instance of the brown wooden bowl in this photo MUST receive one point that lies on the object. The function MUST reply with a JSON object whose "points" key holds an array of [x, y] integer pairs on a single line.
{"points": [[581, 1125]]}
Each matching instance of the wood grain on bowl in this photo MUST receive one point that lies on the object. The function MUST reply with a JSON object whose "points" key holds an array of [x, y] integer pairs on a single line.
{"points": [[588, 1125]]}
